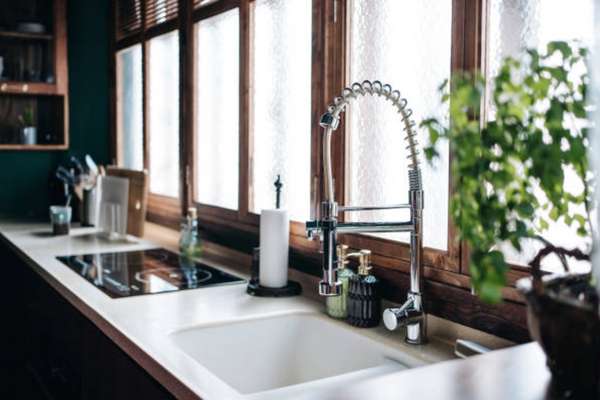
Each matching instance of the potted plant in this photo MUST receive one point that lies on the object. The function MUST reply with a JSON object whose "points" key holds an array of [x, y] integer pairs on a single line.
{"points": [[512, 171], [29, 131]]}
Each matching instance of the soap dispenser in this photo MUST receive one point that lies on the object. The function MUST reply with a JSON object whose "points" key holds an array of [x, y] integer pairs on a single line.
{"points": [[364, 301], [337, 305]]}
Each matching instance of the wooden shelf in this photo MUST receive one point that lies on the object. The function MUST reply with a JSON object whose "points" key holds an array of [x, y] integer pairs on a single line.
{"points": [[48, 101], [34, 147], [26, 35], [13, 87]]}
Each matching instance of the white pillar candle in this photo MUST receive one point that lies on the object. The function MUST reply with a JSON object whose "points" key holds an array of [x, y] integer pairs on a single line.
{"points": [[274, 248]]}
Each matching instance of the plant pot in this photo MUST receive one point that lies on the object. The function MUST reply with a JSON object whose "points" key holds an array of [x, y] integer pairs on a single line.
{"points": [[562, 314], [29, 134]]}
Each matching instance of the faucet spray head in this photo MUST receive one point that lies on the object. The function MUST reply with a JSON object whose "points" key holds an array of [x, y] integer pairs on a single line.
{"points": [[328, 120]]}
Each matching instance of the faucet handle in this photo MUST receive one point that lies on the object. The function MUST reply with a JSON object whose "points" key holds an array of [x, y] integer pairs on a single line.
{"points": [[394, 318], [411, 312]]}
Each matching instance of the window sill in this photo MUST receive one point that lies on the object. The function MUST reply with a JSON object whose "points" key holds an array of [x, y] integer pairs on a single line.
{"points": [[163, 210], [233, 247]]}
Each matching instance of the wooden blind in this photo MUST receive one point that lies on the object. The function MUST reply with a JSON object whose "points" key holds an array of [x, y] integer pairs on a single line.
{"points": [[129, 17], [135, 16], [200, 3], [159, 11]]}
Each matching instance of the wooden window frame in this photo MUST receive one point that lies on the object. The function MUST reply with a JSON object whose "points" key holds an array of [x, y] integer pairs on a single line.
{"points": [[447, 281], [162, 209], [329, 55], [450, 266], [329, 37], [243, 219]]}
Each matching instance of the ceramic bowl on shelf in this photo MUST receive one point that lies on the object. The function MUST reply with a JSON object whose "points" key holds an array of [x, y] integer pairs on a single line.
{"points": [[31, 27]]}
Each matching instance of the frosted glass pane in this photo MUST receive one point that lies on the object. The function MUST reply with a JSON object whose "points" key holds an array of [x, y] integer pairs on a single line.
{"points": [[513, 26], [217, 94], [163, 101], [407, 45], [282, 105], [129, 107]]}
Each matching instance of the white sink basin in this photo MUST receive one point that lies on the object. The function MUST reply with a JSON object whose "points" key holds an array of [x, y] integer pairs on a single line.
{"points": [[269, 353]]}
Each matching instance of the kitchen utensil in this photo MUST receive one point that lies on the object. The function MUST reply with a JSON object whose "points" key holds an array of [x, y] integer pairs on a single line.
{"points": [[65, 176], [91, 164], [77, 164]]}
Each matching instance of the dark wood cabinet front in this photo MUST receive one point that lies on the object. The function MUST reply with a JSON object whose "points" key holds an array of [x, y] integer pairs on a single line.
{"points": [[52, 351]]}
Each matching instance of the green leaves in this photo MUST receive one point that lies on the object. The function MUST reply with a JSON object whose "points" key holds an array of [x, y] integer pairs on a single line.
{"points": [[515, 164], [562, 47], [488, 271]]}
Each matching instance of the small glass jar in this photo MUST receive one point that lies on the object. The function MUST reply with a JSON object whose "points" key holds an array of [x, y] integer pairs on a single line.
{"points": [[60, 217]]}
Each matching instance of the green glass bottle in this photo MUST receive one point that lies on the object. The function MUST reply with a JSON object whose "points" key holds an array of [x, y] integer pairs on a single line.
{"points": [[337, 305], [190, 245]]}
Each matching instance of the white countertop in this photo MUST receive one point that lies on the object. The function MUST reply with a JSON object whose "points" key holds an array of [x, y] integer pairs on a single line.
{"points": [[148, 320]]}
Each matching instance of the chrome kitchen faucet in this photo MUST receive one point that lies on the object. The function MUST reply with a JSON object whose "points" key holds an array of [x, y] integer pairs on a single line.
{"points": [[411, 313]]}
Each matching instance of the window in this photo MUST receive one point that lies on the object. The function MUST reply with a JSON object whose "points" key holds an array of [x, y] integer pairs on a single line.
{"points": [[513, 26], [217, 113], [257, 93], [163, 114], [253, 107], [256, 76], [147, 99], [406, 44], [130, 129], [281, 102]]}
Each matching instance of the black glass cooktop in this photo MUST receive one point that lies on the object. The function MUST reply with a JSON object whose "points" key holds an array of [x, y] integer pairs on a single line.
{"points": [[134, 273]]}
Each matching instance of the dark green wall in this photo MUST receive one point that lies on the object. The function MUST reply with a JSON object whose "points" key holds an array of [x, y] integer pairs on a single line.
{"points": [[24, 176]]}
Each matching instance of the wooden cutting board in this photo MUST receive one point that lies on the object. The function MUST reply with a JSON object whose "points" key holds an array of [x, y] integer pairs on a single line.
{"points": [[138, 197]]}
